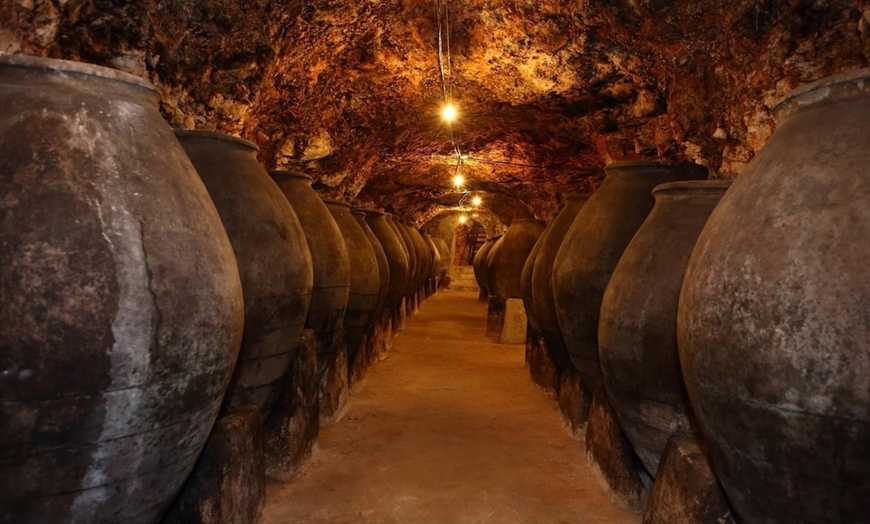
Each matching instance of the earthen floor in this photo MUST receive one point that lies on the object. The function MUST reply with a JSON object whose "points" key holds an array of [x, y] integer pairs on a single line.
{"points": [[448, 429]]}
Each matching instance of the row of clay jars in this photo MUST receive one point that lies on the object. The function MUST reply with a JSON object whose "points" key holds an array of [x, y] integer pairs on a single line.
{"points": [[508, 256], [637, 334], [396, 256], [274, 262], [526, 283], [416, 259], [593, 246], [479, 265], [491, 259], [330, 293], [445, 257], [424, 258], [122, 305], [383, 264], [542, 281], [365, 279], [774, 316]]}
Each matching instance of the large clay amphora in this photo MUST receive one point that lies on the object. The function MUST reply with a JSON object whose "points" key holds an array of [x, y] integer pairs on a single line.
{"points": [[774, 320], [436, 257], [397, 316], [397, 259], [637, 334], [542, 280], [120, 302], [330, 262], [413, 263], [526, 283], [423, 255], [507, 267], [491, 261], [364, 277], [446, 257], [273, 258], [383, 264], [593, 246], [478, 264]]}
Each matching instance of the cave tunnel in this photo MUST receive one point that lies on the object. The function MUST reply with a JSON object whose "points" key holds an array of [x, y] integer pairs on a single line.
{"points": [[444, 261]]}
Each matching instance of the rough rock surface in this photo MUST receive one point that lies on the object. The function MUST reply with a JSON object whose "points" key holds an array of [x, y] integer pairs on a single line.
{"points": [[541, 367], [333, 389], [609, 450], [494, 316], [548, 91], [574, 403], [227, 485], [685, 490], [291, 430]]}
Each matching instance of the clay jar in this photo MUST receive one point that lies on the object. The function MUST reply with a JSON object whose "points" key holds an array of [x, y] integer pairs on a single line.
{"points": [[413, 263], [331, 265], [121, 311], [391, 221], [526, 283], [446, 258], [383, 264], [479, 266], [506, 267], [542, 280], [774, 323], [593, 245], [637, 334], [397, 260], [491, 260], [273, 257], [423, 255], [435, 267], [364, 277]]}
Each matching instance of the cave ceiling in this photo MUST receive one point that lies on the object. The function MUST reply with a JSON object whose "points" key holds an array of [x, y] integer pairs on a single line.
{"points": [[548, 91]]}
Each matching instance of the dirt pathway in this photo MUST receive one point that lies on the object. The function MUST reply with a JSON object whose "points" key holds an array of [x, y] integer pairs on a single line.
{"points": [[448, 429]]}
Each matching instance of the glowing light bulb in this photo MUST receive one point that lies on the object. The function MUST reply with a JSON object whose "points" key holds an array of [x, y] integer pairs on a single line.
{"points": [[463, 219], [476, 201], [448, 113], [458, 180]]}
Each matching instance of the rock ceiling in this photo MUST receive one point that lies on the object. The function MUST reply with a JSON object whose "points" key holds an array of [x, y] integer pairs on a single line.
{"points": [[549, 91]]}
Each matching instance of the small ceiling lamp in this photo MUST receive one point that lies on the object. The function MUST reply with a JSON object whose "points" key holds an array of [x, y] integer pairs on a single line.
{"points": [[448, 113], [458, 180], [476, 201], [463, 219]]}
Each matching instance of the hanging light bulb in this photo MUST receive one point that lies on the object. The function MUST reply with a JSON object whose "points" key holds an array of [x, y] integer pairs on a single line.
{"points": [[458, 180], [463, 219], [476, 201], [448, 113]]}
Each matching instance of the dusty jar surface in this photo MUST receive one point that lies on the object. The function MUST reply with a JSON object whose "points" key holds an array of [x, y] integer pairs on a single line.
{"points": [[637, 333], [774, 323], [121, 310]]}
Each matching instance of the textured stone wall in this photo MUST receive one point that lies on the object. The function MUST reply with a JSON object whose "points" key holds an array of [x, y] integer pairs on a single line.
{"points": [[549, 91]]}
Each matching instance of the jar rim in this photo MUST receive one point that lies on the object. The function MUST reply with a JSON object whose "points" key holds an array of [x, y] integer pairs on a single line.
{"points": [[214, 135], [716, 186], [290, 174], [335, 202], [813, 92], [578, 196], [57, 66]]}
